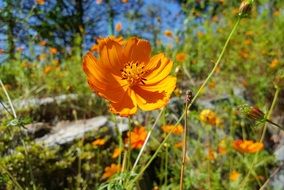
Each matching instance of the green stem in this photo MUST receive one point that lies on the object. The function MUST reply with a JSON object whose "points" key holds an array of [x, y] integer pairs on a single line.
{"points": [[146, 140], [22, 141], [273, 104], [193, 99], [184, 147]]}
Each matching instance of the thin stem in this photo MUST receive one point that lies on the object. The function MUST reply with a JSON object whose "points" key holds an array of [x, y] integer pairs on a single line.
{"points": [[11, 177], [273, 104], [146, 141], [22, 141], [184, 147], [9, 100], [193, 99], [271, 176]]}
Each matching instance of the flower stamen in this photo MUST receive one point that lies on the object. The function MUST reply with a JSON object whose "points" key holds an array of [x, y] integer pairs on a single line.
{"points": [[133, 72]]}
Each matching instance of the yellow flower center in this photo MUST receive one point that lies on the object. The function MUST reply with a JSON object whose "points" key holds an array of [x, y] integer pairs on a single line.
{"points": [[133, 72]]}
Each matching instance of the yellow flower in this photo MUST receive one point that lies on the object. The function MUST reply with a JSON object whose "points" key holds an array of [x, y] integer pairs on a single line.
{"points": [[99, 142], [116, 152], [128, 77], [209, 117], [111, 170], [177, 130], [137, 137], [118, 27], [168, 33], [274, 63], [247, 146], [234, 175], [181, 57]]}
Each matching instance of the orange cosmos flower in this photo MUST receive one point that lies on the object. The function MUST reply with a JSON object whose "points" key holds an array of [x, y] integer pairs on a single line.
{"points": [[210, 117], [137, 137], [118, 27], [234, 175], [181, 57], [128, 77], [247, 146], [111, 170], [177, 130], [116, 152], [99, 142]]}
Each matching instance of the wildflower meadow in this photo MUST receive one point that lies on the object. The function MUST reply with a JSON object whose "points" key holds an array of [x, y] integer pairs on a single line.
{"points": [[141, 94]]}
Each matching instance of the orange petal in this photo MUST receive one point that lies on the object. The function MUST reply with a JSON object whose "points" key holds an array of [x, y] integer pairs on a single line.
{"points": [[160, 67], [111, 56], [150, 97], [102, 80], [126, 106], [137, 50]]}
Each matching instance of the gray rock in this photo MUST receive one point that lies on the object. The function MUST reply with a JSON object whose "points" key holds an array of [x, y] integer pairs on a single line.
{"points": [[66, 132]]}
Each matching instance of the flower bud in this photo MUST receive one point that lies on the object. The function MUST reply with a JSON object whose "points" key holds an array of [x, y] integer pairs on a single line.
{"points": [[252, 112], [245, 7]]}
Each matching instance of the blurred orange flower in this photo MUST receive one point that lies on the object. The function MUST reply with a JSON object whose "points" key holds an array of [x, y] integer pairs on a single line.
{"points": [[177, 130], [42, 43], [116, 152], [111, 170], [124, 1], [53, 50], [40, 2], [211, 154], [168, 33], [274, 63], [99, 142], [1, 51], [128, 77], [248, 42], [210, 117], [247, 146], [118, 27], [234, 175], [222, 147], [137, 137], [47, 69], [99, 1], [181, 57], [179, 144]]}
